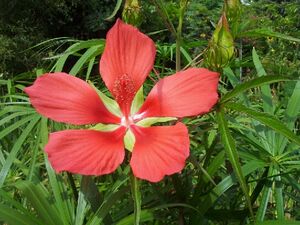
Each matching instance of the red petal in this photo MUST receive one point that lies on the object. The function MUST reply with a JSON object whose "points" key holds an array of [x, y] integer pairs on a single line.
{"points": [[159, 151], [187, 93], [86, 152], [65, 98], [127, 60]]}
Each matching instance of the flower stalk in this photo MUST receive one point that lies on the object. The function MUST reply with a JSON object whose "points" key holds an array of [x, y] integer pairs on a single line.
{"points": [[183, 5], [136, 196]]}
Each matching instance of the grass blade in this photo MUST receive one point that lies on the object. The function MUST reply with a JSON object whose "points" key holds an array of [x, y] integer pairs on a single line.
{"points": [[38, 197], [16, 125], [14, 217], [16, 148]]}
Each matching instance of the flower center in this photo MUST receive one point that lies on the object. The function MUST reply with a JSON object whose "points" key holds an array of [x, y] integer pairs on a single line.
{"points": [[126, 121]]}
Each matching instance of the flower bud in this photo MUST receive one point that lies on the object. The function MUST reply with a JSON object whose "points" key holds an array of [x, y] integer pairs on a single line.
{"points": [[233, 9], [132, 12], [221, 46]]}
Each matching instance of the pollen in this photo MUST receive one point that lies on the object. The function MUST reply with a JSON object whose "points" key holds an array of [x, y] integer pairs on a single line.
{"points": [[124, 91]]}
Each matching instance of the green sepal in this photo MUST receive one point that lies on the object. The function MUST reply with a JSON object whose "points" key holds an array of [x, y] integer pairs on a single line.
{"points": [[129, 140], [147, 122], [109, 103], [137, 101], [105, 127]]}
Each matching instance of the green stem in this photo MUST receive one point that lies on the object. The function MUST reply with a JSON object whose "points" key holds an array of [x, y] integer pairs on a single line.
{"points": [[164, 15], [183, 4], [178, 56], [136, 195]]}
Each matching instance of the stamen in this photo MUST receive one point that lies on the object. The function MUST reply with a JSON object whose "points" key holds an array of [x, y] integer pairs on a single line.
{"points": [[124, 92]]}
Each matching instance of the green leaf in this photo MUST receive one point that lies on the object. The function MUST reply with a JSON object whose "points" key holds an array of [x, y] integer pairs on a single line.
{"points": [[227, 71], [106, 206], [35, 150], [99, 206], [14, 217], [95, 198], [266, 32], [266, 90], [16, 125], [38, 197], [16, 148], [64, 206], [10, 109], [81, 209], [225, 184], [90, 67], [293, 107], [232, 154], [116, 9], [215, 164], [278, 222], [13, 116], [279, 198], [186, 54], [266, 119], [291, 114], [59, 65], [89, 54], [146, 215], [256, 82], [89, 193]]}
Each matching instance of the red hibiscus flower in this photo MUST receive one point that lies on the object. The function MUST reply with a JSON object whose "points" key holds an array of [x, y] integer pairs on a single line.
{"points": [[127, 60]]}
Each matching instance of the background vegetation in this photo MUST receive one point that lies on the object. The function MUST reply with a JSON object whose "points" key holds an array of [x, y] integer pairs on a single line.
{"points": [[244, 163]]}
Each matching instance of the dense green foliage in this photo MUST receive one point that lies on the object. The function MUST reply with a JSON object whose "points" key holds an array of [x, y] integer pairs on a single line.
{"points": [[244, 162]]}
